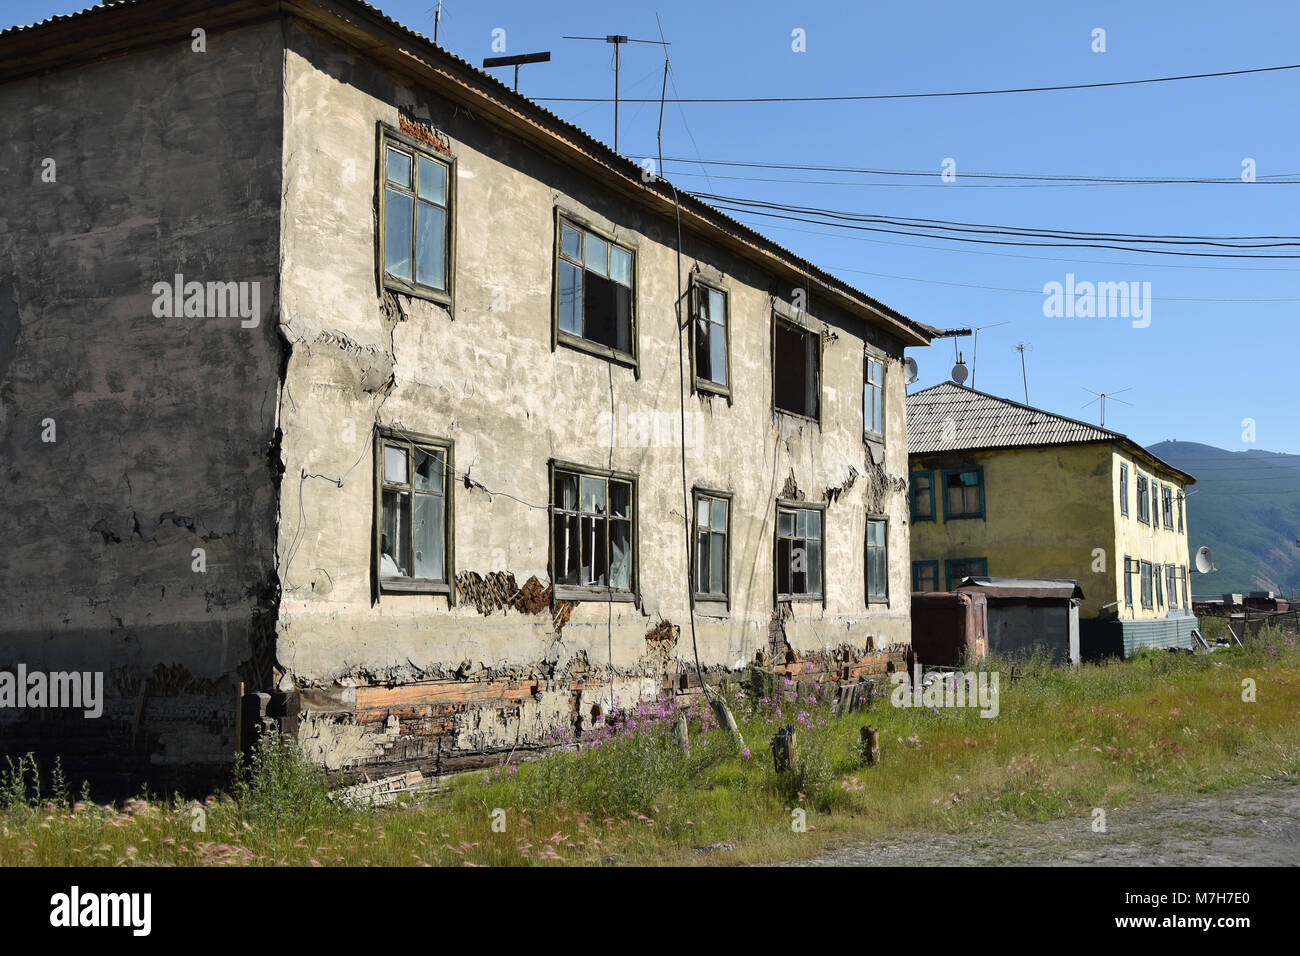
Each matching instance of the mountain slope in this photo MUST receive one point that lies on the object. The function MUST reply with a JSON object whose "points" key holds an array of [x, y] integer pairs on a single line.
{"points": [[1245, 506]]}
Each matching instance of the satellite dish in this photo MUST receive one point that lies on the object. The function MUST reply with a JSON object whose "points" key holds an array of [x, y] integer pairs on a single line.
{"points": [[959, 372], [1204, 560], [909, 370]]}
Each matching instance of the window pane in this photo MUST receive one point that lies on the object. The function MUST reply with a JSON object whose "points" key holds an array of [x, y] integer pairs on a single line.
{"points": [[433, 181], [566, 549], [395, 464], [783, 582], [719, 515], [593, 496], [815, 525], [566, 491], [717, 304], [570, 241], [398, 167], [428, 533], [814, 567], [620, 265], [620, 499], [594, 559], [785, 522], [801, 524], [718, 564], [597, 252], [570, 306], [398, 212], [703, 351], [702, 514], [431, 246], [717, 355], [394, 558], [428, 471], [702, 561], [620, 554]]}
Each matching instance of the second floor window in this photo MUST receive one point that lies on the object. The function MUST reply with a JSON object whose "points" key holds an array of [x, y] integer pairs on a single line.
{"points": [[417, 229], [595, 296], [1167, 506], [1123, 488], [592, 526], [1144, 500], [796, 369], [711, 372], [963, 493], [873, 398], [922, 496]]}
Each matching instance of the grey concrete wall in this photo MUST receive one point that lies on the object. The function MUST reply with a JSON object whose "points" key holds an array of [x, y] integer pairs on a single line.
{"points": [[485, 375], [166, 161]]}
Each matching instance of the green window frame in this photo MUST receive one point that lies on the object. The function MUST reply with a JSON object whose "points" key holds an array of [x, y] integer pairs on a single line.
{"points": [[593, 549], [921, 488], [923, 571], [873, 397], [968, 479], [711, 546], [796, 369], [1123, 488], [414, 541], [416, 236], [957, 569], [595, 303], [877, 560], [710, 338], [799, 551]]}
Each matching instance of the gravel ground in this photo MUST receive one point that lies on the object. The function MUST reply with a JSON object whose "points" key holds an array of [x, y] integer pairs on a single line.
{"points": [[1251, 826]]}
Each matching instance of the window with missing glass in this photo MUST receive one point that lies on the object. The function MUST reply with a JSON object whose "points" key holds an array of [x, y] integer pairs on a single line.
{"points": [[873, 398], [922, 495], [799, 553], [963, 493], [416, 212], [877, 561], [595, 291], [796, 369], [711, 332], [593, 523], [413, 550], [712, 554]]}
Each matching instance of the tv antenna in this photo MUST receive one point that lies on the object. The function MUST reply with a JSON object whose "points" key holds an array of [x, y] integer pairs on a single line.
{"points": [[516, 62], [1102, 396], [1024, 376], [618, 40], [975, 347]]}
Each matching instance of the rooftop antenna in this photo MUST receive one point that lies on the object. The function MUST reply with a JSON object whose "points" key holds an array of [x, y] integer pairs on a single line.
{"points": [[975, 348], [618, 40], [1102, 396], [515, 61], [1024, 377], [437, 16]]}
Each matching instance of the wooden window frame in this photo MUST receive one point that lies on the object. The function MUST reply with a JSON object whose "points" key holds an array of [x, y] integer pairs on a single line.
{"points": [[916, 577], [1143, 498], [947, 516], [1147, 581], [867, 359], [699, 288], [947, 569], [412, 585], [580, 343], [866, 577], [581, 592], [706, 597], [778, 319], [1123, 488], [1167, 506], [1171, 585], [788, 504], [911, 496], [384, 136], [1130, 568]]}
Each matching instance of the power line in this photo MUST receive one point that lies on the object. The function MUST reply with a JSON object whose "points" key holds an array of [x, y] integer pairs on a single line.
{"points": [[911, 96], [958, 185]]}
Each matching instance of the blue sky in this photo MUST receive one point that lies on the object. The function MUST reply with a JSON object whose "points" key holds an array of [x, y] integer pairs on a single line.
{"points": [[1195, 372]]}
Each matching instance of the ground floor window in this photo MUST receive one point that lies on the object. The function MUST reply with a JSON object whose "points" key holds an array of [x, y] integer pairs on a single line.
{"points": [[593, 522], [799, 552], [413, 528], [925, 575], [958, 569]]}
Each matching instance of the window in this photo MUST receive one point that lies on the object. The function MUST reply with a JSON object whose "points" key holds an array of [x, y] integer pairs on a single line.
{"points": [[1181, 496], [416, 218], [712, 372], [796, 369], [1129, 569], [1160, 585], [413, 550], [1146, 584], [595, 300], [877, 560], [1155, 505], [1123, 488], [1171, 584], [873, 398], [592, 528], [712, 555], [1187, 596], [959, 569], [922, 496], [1167, 506], [798, 552], [1144, 502], [925, 575], [963, 494]]}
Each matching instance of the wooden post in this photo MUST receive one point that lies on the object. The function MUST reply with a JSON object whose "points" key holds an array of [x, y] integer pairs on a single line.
{"points": [[683, 734], [785, 753], [723, 713], [870, 745]]}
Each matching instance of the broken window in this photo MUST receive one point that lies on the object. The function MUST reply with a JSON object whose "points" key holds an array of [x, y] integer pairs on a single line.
{"points": [[1147, 591], [798, 552], [925, 575], [796, 369], [413, 529], [1167, 506], [1144, 501], [594, 290], [415, 239], [592, 527], [922, 496], [873, 398], [712, 373], [711, 546], [1123, 488], [963, 493], [1130, 567], [877, 560], [958, 569]]}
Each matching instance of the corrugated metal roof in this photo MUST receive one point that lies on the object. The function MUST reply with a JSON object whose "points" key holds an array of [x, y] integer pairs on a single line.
{"points": [[609, 157], [952, 417]]}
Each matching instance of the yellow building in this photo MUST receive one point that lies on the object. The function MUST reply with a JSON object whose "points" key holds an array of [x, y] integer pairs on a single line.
{"points": [[1002, 489]]}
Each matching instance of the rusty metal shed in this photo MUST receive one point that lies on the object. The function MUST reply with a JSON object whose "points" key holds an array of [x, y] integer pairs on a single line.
{"points": [[1028, 616]]}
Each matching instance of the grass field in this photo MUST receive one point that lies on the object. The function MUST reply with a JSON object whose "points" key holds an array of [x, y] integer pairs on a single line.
{"points": [[1064, 741]]}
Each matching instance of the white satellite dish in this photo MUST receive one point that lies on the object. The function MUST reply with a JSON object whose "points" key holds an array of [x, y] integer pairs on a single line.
{"points": [[1204, 560], [910, 373], [959, 372]]}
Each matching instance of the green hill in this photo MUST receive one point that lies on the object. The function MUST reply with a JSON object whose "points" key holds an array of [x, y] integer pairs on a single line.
{"points": [[1245, 506]]}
